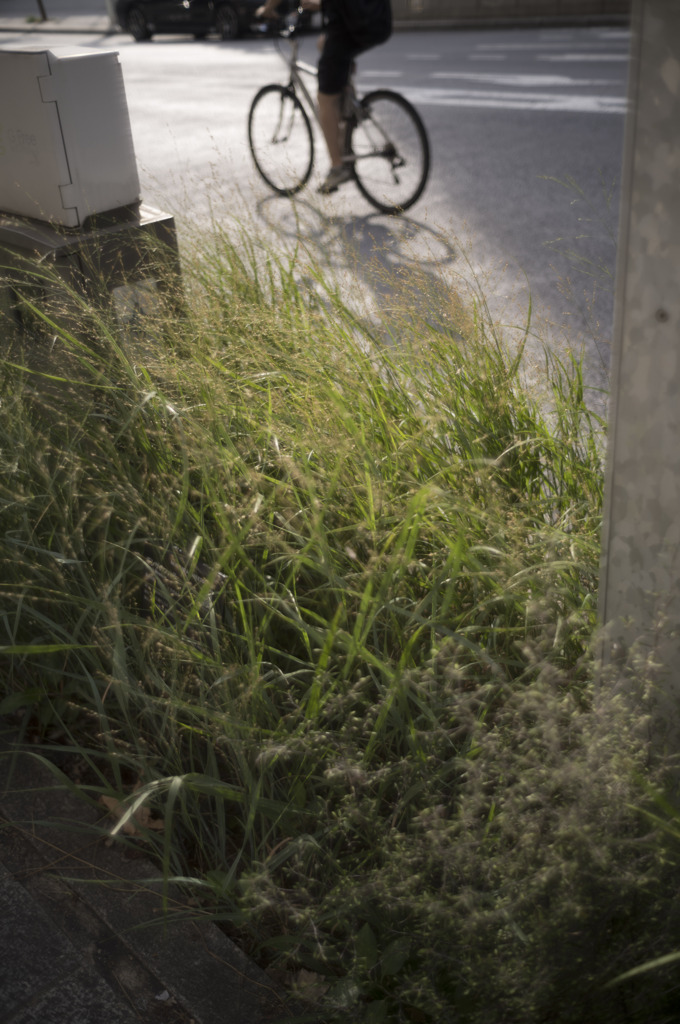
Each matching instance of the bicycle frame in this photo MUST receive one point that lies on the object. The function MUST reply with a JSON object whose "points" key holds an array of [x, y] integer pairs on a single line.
{"points": [[351, 105], [295, 68], [383, 137]]}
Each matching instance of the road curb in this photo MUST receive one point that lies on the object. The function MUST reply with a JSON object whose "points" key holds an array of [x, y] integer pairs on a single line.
{"points": [[558, 21]]}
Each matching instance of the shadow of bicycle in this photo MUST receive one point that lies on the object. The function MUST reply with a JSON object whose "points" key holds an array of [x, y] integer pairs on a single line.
{"points": [[373, 261]]}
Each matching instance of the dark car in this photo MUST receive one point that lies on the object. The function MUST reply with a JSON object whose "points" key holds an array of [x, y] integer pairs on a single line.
{"points": [[228, 18]]}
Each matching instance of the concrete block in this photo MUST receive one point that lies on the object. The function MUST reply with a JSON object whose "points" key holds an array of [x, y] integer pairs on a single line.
{"points": [[66, 149]]}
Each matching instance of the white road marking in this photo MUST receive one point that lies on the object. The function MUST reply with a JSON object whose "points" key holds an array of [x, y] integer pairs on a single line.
{"points": [[584, 56], [523, 81], [566, 45], [508, 100]]}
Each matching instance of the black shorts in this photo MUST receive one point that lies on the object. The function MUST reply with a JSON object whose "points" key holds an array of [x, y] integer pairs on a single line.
{"points": [[340, 49]]}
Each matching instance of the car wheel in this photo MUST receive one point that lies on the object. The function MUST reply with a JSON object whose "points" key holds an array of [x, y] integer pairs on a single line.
{"points": [[136, 24], [226, 22]]}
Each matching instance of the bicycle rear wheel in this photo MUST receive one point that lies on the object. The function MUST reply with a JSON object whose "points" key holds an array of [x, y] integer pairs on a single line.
{"points": [[281, 140], [390, 150]]}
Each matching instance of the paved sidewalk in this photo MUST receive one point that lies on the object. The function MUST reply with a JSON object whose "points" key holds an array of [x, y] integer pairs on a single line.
{"points": [[77, 16], [81, 924], [92, 24]]}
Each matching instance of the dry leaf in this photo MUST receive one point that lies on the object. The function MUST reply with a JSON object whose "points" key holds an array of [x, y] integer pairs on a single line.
{"points": [[310, 986], [141, 819]]}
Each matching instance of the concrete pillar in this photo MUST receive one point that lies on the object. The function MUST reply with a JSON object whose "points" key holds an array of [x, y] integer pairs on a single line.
{"points": [[640, 580]]}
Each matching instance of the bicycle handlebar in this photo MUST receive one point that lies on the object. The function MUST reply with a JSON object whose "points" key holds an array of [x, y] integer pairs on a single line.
{"points": [[287, 24]]}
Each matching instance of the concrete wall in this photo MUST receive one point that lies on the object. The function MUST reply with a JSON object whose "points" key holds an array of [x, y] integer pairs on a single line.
{"points": [[454, 12], [640, 579]]}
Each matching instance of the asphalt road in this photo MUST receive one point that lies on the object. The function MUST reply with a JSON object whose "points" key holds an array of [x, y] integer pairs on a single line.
{"points": [[527, 132]]}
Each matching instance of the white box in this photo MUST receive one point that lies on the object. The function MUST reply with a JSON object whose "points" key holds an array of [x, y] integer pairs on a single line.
{"points": [[66, 149]]}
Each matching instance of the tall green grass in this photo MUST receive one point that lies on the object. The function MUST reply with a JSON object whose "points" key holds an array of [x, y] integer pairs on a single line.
{"points": [[322, 588]]}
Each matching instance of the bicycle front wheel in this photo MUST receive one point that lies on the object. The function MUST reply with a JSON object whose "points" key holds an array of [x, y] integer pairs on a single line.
{"points": [[280, 138], [390, 150]]}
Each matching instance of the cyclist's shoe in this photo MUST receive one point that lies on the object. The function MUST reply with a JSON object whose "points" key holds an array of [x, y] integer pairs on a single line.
{"points": [[336, 177]]}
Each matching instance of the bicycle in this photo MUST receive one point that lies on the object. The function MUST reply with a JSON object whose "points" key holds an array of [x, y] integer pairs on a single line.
{"points": [[384, 139]]}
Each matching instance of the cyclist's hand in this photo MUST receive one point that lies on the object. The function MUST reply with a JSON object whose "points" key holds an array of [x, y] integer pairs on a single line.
{"points": [[268, 9]]}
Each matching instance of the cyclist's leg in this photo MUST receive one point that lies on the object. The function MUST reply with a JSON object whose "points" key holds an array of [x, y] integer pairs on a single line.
{"points": [[329, 119], [334, 70]]}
